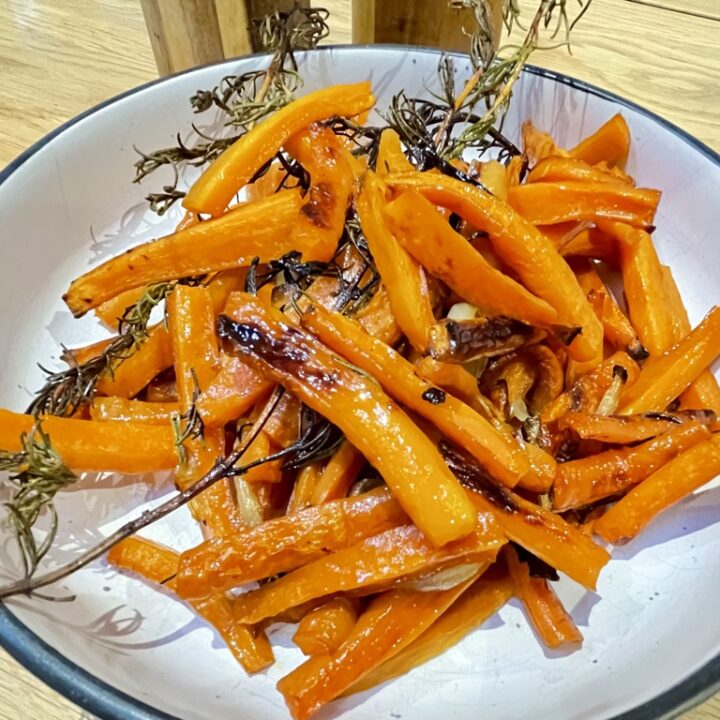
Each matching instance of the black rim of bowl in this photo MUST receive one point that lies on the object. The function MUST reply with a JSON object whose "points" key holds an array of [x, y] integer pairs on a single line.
{"points": [[109, 703]]}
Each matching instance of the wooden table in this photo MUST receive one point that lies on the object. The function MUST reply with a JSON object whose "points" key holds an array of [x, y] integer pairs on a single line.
{"points": [[59, 58]]}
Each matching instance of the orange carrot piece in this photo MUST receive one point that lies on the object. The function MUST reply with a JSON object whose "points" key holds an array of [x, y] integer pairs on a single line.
{"points": [[547, 203], [522, 247], [613, 472], [283, 426], [680, 477], [502, 457], [215, 188], [400, 272], [559, 169], [538, 145], [121, 410], [88, 445], [326, 628], [591, 243], [304, 487], [665, 377], [391, 622], [285, 543], [260, 229], [551, 621], [339, 474], [112, 310], [377, 318], [269, 472], [493, 176], [384, 434], [391, 158], [158, 564], [448, 255], [609, 144]]}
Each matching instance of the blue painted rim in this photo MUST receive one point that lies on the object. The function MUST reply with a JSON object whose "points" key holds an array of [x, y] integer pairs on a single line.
{"points": [[109, 703]]}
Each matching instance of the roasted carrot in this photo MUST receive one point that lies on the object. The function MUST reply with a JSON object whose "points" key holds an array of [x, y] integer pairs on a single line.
{"points": [[592, 243], [112, 310], [585, 481], [502, 457], [449, 256], [384, 434], [159, 564], [285, 543], [392, 621], [538, 145], [664, 378], [214, 189], [681, 476], [391, 158], [283, 426], [549, 377], [304, 487], [326, 628], [121, 410], [494, 177], [259, 229], [481, 600], [269, 472], [547, 203], [377, 318], [610, 144], [524, 249], [88, 445], [560, 169], [400, 272], [339, 474], [549, 618]]}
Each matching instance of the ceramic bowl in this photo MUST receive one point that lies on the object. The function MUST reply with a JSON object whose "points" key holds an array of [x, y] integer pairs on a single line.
{"points": [[123, 650]]}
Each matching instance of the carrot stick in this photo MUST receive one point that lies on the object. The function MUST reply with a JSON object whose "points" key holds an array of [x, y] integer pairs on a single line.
{"points": [[121, 410], [665, 378], [522, 247], [304, 487], [502, 457], [384, 434], [269, 472], [87, 445], [559, 169], [680, 477], [610, 144], [391, 158], [285, 543], [326, 628], [551, 621], [283, 426], [158, 564], [585, 481], [215, 188], [391, 622], [480, 601], [448, 255], [339, 474], [547, 203], [377, 318], [259, 229], [403, 277], [538, 145], [112, 310], [591, 243]]}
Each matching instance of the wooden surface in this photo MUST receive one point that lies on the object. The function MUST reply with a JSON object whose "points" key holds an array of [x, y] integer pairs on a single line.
{"points": [[59, 58]]}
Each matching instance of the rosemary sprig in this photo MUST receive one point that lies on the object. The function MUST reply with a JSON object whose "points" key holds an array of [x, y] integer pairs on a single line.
{"points": [[37, 474]]}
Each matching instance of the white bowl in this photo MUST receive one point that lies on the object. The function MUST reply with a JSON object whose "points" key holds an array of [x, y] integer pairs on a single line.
{"points": [[123, 650]]}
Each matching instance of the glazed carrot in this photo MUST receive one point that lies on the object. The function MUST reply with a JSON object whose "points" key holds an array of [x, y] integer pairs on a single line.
{"points": [[87, 445], [384, 434], [516, 169], [304, 487], [80, 355], [400, 272], [391, 622], [377, 562], [481, 600], [391, 158], [551, 621], [665, 378], [616, 326], [592, 243], [559, 169], [260, 229], [541, 532], [644, 286], [269, 472], [610, 143], [216, 187], [681, 476], [269, 182], [322, 215], [158, 564], [494, 177], [326, 628], [377, 318], [285, 543], [626, 429], [162, 389], [703, 393], [283, 426], [122, 410], [585, 481], [538, 145], [339, 474], [539, 478], [112, 310], [546, 203], [522, 247], [502, 457], [449, 256], [191, 324], [549, 382]]}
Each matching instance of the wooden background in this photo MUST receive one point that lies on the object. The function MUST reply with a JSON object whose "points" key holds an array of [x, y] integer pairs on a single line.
{"points": [[59, 57]]}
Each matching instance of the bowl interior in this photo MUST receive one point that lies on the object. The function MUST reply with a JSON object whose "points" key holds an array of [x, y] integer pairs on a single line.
{"points": [[72, 204]]}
